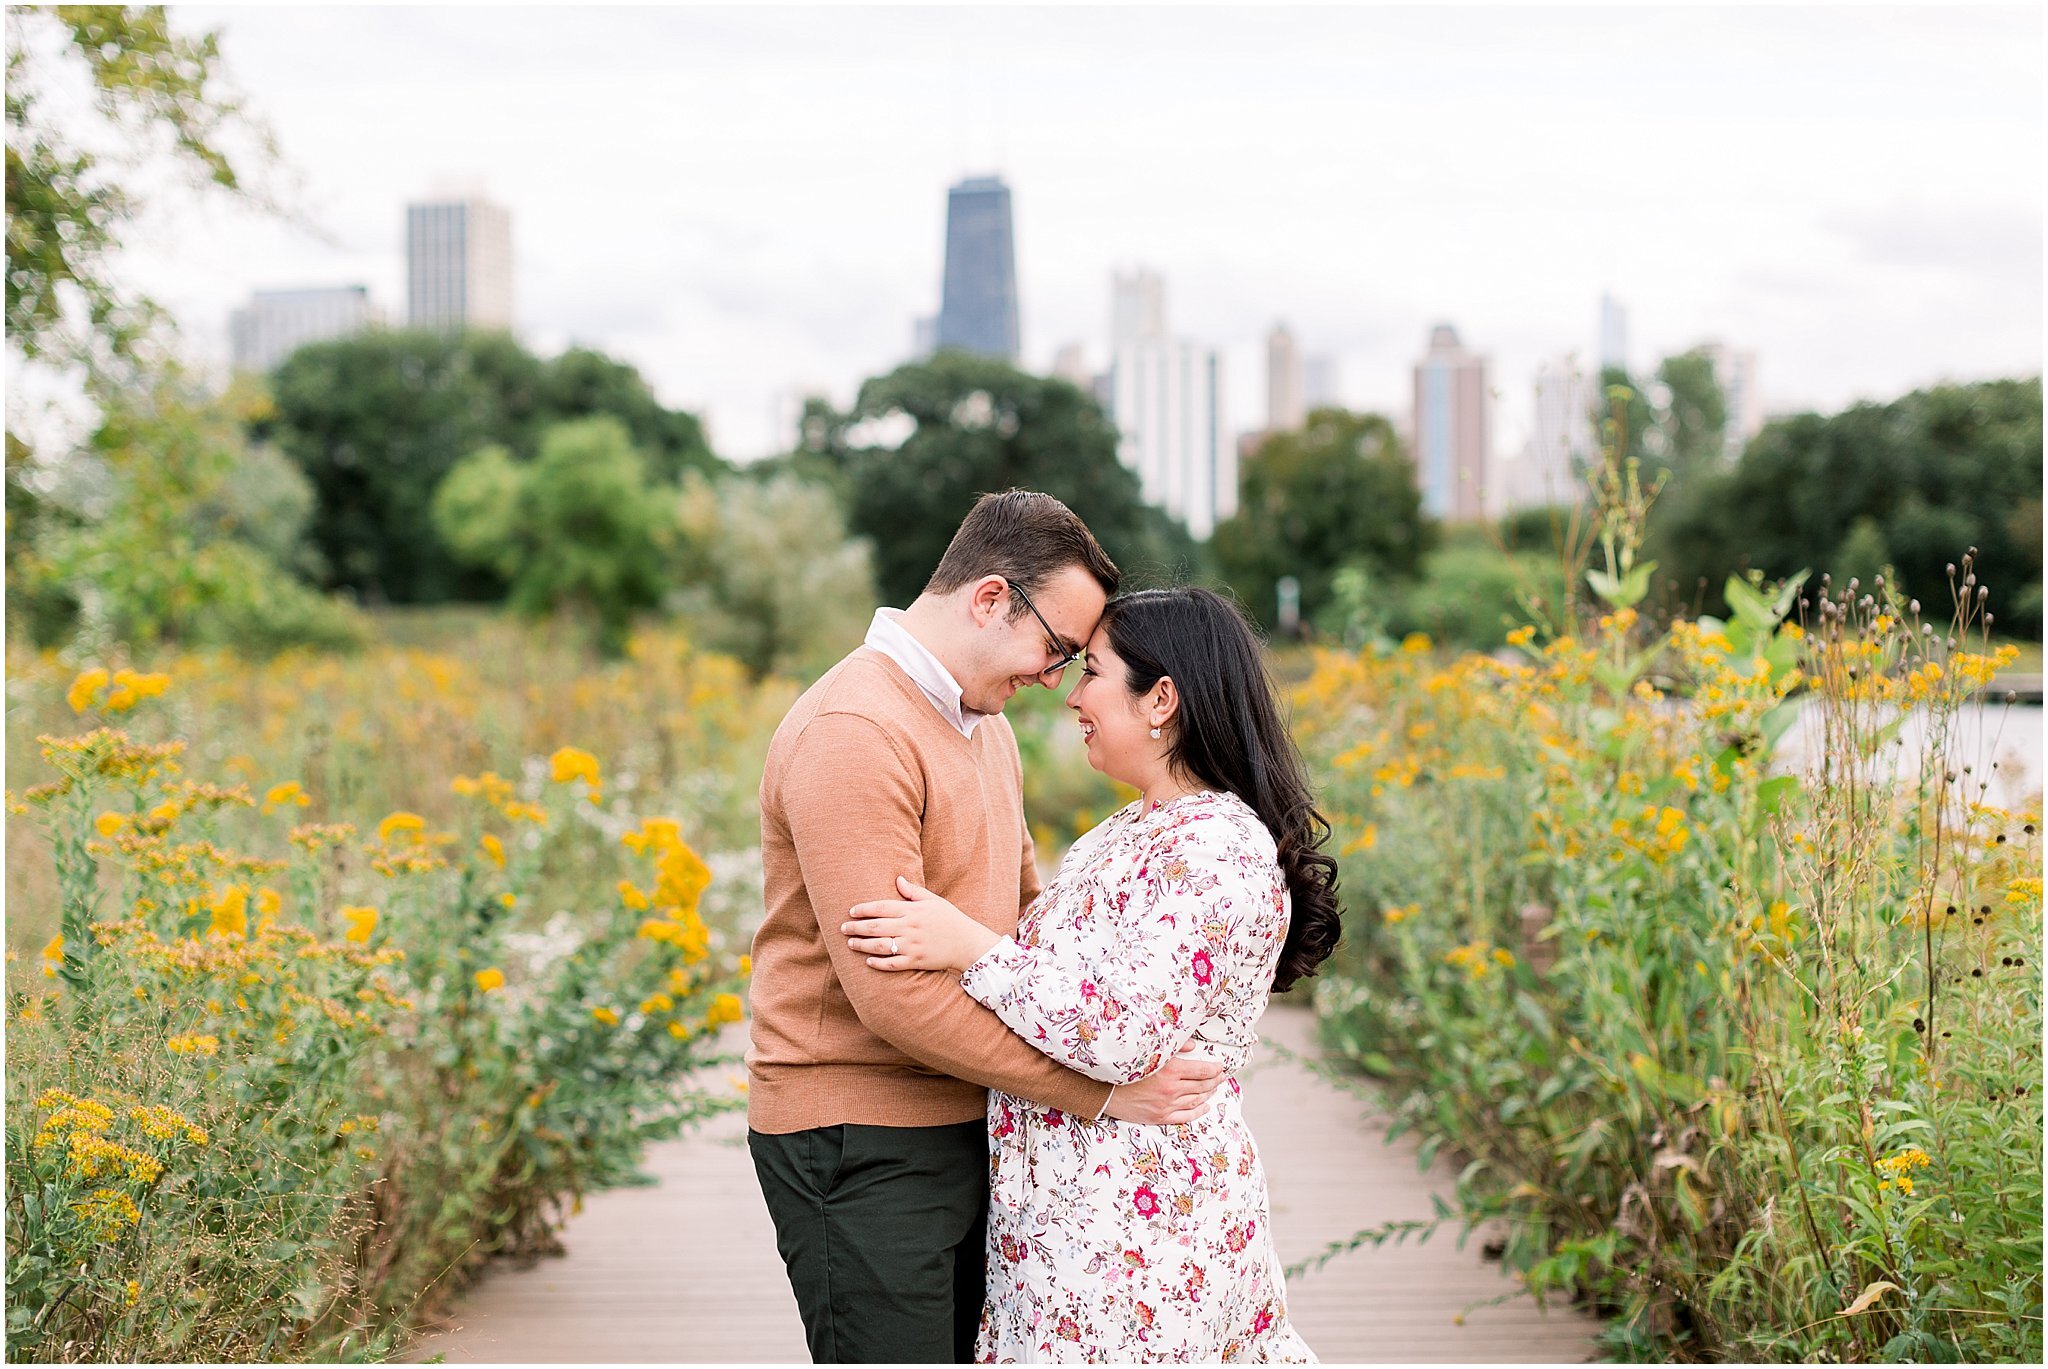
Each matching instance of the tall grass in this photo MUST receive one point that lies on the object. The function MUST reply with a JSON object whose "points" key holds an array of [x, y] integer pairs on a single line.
{"points": [[358, 971], [1747, 1059]]}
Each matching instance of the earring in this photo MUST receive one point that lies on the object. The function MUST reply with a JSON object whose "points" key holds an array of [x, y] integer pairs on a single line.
{"points": [[1155, 734]]}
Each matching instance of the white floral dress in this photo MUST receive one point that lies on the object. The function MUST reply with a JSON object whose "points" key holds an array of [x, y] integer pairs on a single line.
{"points": [[1108, 1240]]}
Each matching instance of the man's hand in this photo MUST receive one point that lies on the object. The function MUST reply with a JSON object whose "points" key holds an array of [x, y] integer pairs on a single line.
{"points": [[1179, 1091]]}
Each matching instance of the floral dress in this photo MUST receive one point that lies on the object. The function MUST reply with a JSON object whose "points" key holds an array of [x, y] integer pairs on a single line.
{"points": [[1109, 1240]]}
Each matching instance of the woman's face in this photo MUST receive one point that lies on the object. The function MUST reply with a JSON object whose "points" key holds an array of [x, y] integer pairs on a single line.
{"points": [[1114, 726]]}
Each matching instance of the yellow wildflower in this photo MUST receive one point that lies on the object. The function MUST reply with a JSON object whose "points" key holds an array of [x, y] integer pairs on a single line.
{"points": [[108, 1211], [679, 1031], [569, 764], [278, 795], [606, 1016], [194, 1044], [2023, 890], [231, 911], [85, 688], [399, 822], [1522, 635], [631, 895], [487, 980], [1415, 643], [362, 922], [724, 1008], [657, 1002], [746, 966], [107, 824], [493, 849]]}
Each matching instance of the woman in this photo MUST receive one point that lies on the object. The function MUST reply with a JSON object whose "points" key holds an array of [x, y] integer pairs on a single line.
{"points": [[1164, 930]]}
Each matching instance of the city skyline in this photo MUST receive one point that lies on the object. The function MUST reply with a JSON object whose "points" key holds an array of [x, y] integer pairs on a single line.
{"points": [[1852, 195]]}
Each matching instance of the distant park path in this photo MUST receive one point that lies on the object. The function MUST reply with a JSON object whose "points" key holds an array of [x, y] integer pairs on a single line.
{"points": [[687, 1270]]}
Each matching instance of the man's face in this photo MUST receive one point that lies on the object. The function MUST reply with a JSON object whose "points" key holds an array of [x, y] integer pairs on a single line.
{"points": [[1014, 653]]}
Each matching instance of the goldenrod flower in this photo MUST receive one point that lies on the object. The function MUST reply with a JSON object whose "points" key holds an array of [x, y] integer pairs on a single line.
{"points": [[569, 764], [194, 1044], [606, 1016], [361, 923], [631, 895], [487, 980], [493, 849], [231, 912], [107, 824], [679, 1031], [746, 966], [108, 1211], [85, 688], [399, 822], [724, 1008], [1415, 643], [657, 1002], [278, 795], [134, 1292]]}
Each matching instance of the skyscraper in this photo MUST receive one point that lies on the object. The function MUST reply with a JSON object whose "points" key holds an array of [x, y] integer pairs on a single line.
{"points": [[458, 264], [1735, 373], [1285, 409], [276, 323], [1137, 307], [978, 305], [1561, 444], [1451, 428], [1613, 334], [1166, 398]]}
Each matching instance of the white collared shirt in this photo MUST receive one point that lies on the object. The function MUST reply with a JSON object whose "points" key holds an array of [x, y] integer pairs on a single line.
{"points": [[887, 635]]}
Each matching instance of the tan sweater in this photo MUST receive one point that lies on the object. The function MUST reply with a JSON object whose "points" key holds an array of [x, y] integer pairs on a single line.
{"points": [[866, 781]]}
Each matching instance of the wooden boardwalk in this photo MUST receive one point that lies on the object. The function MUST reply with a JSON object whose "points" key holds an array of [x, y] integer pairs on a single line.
{"points": [[687, 1270]]}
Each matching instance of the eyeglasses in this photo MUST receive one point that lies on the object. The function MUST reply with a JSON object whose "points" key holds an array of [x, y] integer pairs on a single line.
{"points": [[1052, 638]]}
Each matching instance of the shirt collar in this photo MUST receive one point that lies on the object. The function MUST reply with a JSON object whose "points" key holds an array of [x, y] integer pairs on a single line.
{"points": [[887, 635]]}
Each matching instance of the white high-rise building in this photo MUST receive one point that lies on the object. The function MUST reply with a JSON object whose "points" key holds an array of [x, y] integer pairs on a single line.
{"points": [[1285, 409], [1166, 397], [1735, 373], [1137, 307], [1613, 334], [1562, 445], [1452, 429], [458, 260], [276, 323]]}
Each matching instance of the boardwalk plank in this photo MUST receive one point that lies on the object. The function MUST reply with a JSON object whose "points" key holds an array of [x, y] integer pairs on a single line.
{"points": [[687, 1270]]}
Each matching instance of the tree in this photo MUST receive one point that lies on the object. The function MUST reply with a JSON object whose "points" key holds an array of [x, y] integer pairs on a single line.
{"points": [[177, 532], [978, 425], [581, 529], [769, 573], [1696, 414], [157, 97], [378, 420], [1913, 483], [1338, 493]]}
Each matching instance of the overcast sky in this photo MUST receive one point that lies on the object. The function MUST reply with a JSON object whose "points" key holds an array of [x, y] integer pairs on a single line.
{"points": [[750, 203]]}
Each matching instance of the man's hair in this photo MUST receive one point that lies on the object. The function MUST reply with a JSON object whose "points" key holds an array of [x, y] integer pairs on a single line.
{"points": [[1025, 537]]}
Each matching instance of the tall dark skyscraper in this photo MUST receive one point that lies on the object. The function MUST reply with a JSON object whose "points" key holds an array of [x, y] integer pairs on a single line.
{"points": [[978, 310]]}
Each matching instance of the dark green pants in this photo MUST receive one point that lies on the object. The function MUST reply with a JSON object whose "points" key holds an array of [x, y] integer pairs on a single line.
{"points": [[882, 1229]]}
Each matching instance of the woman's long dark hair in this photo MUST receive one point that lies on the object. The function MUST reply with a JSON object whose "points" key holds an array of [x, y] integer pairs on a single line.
{"points": [[1228, 735]]}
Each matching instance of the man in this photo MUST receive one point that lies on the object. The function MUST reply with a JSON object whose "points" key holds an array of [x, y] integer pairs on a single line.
{"points": [[868, 1091]]}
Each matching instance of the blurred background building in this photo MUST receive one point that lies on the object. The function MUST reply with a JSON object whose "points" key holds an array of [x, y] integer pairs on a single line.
{"points": [[1450, 428], [1285, 385], [1165, 396], [458, 264], [1613, 334], [978, 307], [1550, 467], [1735, 373], [276, 323]]}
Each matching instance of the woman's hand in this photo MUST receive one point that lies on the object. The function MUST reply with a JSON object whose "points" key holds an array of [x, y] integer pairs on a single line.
{"points": [[920, 931]]}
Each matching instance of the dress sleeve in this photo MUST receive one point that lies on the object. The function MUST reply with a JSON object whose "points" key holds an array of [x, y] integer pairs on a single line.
{"points": [[1200, 921]]}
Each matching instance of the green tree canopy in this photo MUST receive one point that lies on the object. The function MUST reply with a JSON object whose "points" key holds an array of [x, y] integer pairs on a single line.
{"points": [[1340, 492], [178, 532], [581, 529], [157, 100], [978, 425], [377, 420], [769, 573], [1914, 482]]}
